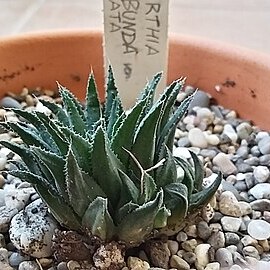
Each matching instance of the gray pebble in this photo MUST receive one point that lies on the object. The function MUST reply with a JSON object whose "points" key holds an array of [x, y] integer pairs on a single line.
{"points": [[16, 258], [244, 168], [240, 186], [62, 266], [265, 160], [264, 145], [230, 224], [190, 257], [260, 191], [249, 179], [255, 151], [252, 161], [183, 142], [203, 230], [217, 240], [224, 257], [9, 102], [251, 251], [208, 153], [244, 130], [28, 265], [242, 151], [231, 238], [200, 99], [261, 205], [261, 174], [182, 236]]}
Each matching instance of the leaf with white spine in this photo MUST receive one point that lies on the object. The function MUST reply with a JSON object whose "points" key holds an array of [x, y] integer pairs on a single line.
{"points": [[138, 224], [56, 165], [176, 200], [92, 106], [202, 197], [105, 167], [145, 138], [199, 172], [98, 219], [74, 111], [57, 110], [81, 147]]}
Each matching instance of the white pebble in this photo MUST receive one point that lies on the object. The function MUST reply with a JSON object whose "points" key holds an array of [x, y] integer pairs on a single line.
{"points": [[197, 138], [259, 229], [261, 191], [224, 163], [261, 173], [230, 132]]}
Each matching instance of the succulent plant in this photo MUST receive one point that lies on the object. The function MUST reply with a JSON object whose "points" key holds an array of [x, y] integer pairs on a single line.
{"points": [[108, 172]]}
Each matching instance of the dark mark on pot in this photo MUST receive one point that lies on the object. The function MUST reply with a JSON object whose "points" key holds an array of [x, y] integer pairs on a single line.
{"points": [[229, 83], [76, 78], [252, 93], [6, 76]]}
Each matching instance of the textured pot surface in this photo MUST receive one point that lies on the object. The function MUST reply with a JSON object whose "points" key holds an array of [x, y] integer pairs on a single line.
{"points": [[242, 77]]}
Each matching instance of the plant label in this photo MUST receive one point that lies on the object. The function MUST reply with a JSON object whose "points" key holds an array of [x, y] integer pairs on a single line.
{"points": [[135, 43]]}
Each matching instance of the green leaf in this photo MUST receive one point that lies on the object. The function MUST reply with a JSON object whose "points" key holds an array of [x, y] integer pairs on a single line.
{"points": [[169, 129], [82, 149], [92, 107], [25, 154], [189, 176], [98, 219], [199, 171], [55, 164], [167, 173], [129, 191], [145, 138], [148, 188], [74, 111], [111, 96], [105, 167], [202, 197], [57, 110], [138, 224], [162, 218], [124, 136], [28, 134], [176, 200]]}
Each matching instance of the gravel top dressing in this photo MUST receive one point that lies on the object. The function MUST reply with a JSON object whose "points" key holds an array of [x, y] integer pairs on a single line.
{"points": [[232, 232]]}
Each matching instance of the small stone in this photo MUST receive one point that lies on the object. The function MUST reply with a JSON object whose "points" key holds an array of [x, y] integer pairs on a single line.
{"points": [[245, 208], [231, 224], [28, 265], [15, 259], [244, 130], [265, 245], [206, 115], [249, 180], [261, 191], [181, 237], [200, 99], [179, 263], [240, 186], [213, 266], [251, 251], [73, 265], [259, 229], [17, 198], [264, 145], [212, 139], [261, 205], [9, 102], [189, 245], [197, 138], [62, 266], [183, 142], [236, 267], [231, 238], [203, 230], [224, 257], [264, 160], [37, 228], [6, 214], [4, 264], [217, 240], [249, 241], [261, 173], [230, 132], [242, 152], [201, 252], [135, 263], [189, 257], [228, 204], [173, 246], [226, 166], [191, 231]]}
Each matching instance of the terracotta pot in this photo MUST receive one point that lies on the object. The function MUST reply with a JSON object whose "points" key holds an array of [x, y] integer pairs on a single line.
{"points": [[242, 76]]}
